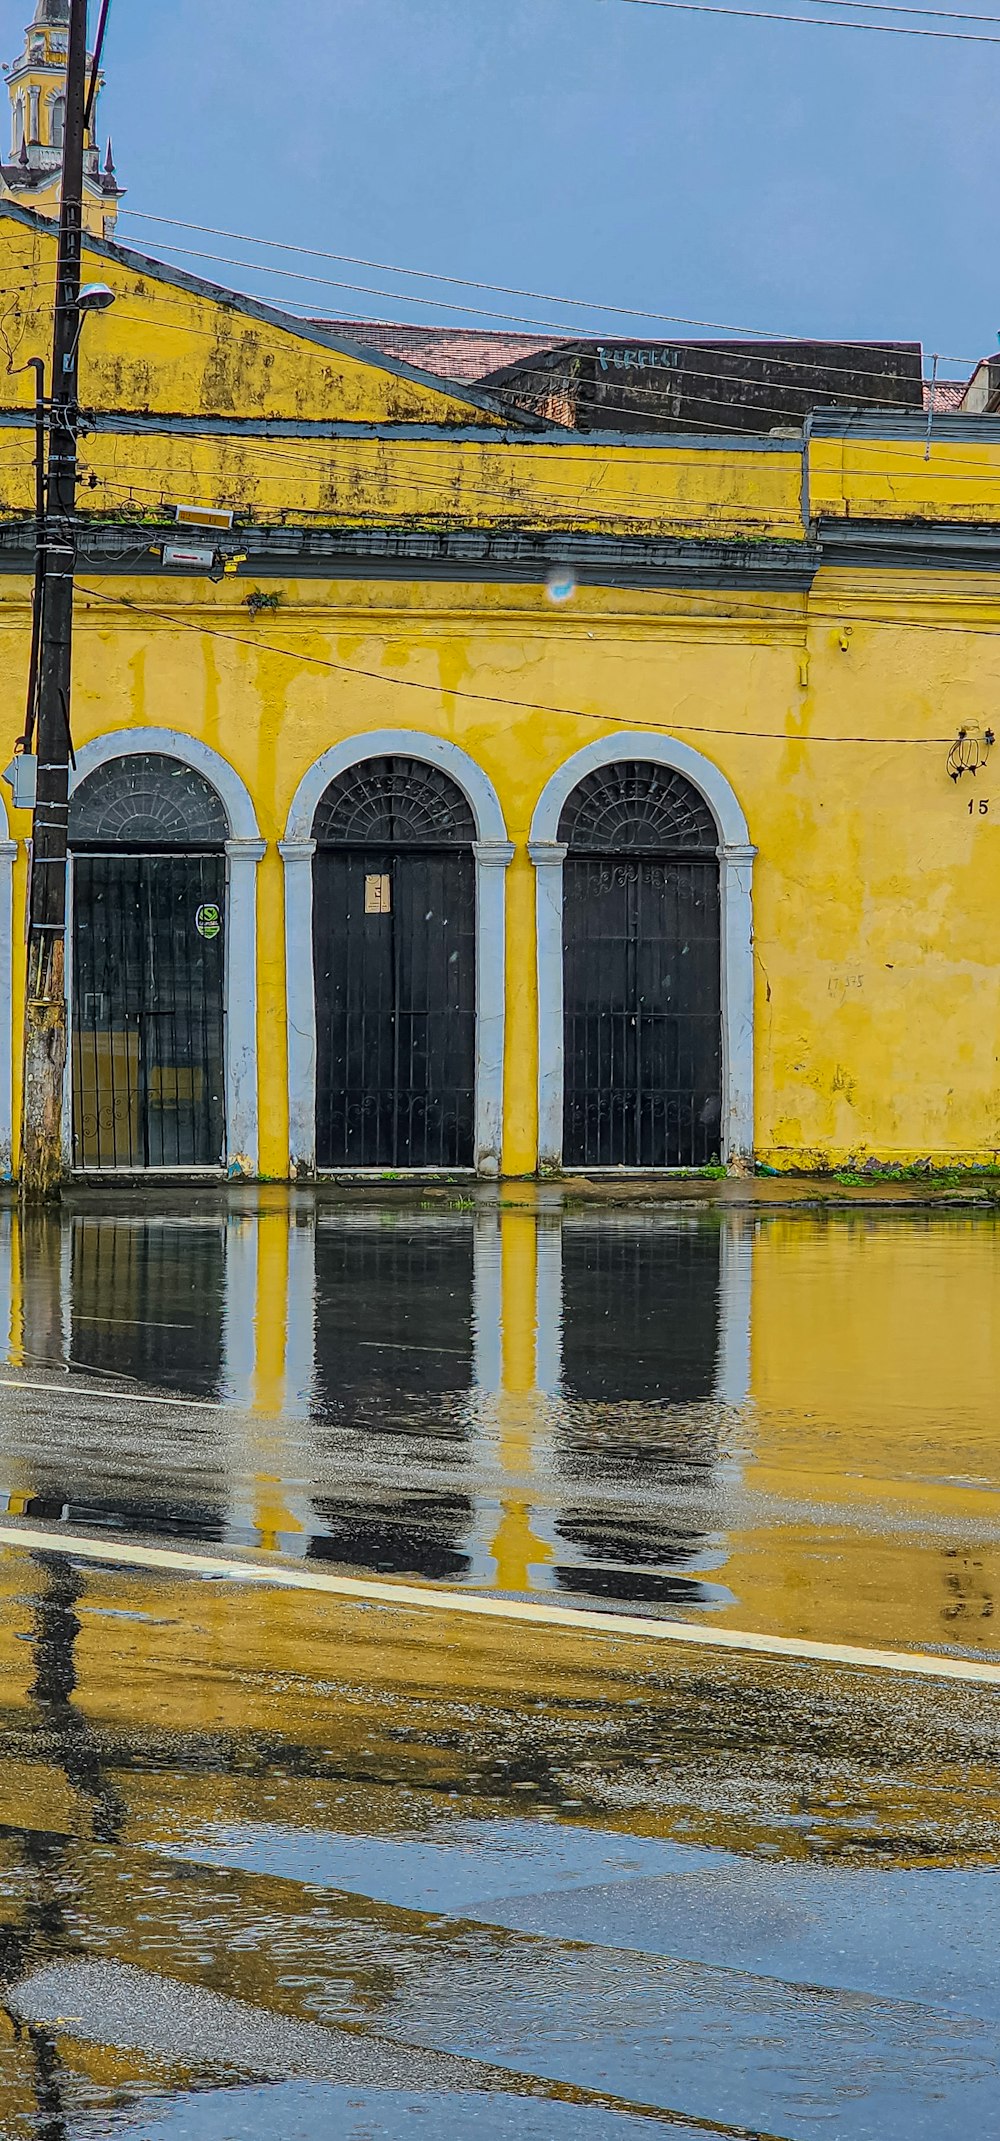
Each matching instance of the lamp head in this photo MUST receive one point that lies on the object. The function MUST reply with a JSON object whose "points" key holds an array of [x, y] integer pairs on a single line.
{"points": [[95, 297]]}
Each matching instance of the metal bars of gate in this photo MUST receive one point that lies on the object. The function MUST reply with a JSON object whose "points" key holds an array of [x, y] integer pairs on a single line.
{"points": [[642, 1010], [394, 956], [148, 1023]]}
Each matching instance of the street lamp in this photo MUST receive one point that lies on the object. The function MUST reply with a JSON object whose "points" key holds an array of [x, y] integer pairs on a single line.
{"points": [[94, 297]]}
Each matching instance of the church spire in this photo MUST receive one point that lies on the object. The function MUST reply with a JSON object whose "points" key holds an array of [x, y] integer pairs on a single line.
{"points": [[36, 85]]}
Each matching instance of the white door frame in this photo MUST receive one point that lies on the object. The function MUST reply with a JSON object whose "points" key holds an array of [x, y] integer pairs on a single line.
{"points": [[736, 855], [493, 852], [8, 851], [244, 849]]}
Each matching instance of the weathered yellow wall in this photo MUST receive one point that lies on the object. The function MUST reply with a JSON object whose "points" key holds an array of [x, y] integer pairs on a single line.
{"points": [[165, 349], [882, 479], [876, 891], [441, 481]]}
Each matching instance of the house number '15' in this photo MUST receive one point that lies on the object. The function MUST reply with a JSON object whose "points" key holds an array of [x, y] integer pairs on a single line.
{"points": [[983, 803]]}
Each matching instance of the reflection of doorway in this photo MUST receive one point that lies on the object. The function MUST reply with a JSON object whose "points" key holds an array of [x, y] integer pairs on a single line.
{"points": [[148, 967], [394, 921], [394, 1349], [642, 1343], [642, 971], [147, 1300], [640, 1318]]}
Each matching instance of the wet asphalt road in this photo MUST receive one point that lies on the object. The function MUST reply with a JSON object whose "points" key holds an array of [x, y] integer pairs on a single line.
{"points": [[273, 1863]]}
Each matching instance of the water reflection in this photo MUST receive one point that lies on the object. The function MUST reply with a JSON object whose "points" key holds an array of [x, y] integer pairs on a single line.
{"points": [[773, 1418]]}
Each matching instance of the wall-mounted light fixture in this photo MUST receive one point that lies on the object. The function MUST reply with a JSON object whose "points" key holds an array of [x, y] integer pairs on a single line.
{"points": [[969, 751]]}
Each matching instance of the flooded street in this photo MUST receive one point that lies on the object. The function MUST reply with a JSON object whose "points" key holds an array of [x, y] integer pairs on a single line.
{"points": [[775, 1420], [279, 1862]]}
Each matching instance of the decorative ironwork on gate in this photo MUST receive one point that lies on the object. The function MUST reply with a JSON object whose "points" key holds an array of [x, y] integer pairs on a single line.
{"points": [[393, 802], [639, 808], [148, 838], [148, 801], [394, 919], [641, 971]]}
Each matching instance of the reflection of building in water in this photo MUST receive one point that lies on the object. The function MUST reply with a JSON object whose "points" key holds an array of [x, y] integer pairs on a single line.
{"points": [[533, 1398], [514, 1264], [132, 1303], [351, 1373], [393, 1368], [146, 1299], [650, 1355], [875, 1369]]}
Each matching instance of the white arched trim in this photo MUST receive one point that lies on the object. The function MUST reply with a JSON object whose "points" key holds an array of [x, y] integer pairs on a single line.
{"points": [[244, 849], [493, 852], [736, 854], [8, 851]]}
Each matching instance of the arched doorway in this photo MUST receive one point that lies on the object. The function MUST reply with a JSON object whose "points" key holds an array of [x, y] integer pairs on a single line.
{"points": [[641, 970], [148, 839], [394, 961]]}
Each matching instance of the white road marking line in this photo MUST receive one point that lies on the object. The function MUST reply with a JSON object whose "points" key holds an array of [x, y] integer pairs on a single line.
{"points": [[129, 1397], [409, 1596]]}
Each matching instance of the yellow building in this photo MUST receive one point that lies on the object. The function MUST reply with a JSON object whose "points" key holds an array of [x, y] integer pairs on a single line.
{"points": [[36, 86], [469, 793]]}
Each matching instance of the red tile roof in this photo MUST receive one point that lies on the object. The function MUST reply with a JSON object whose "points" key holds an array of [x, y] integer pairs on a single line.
{"points": [[948, 395], [467, 353]]}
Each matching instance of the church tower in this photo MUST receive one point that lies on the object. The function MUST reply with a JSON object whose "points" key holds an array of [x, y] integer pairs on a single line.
{"points": [[36, 85]]}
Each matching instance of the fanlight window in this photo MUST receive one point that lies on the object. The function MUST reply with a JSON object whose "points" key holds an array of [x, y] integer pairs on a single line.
{"points": [[146, 800], [637, 806], [393, 802]]}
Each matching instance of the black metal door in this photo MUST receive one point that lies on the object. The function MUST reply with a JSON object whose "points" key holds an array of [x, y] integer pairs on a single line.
{"points": [[148, 1033], [641, 960], [394, 952]]}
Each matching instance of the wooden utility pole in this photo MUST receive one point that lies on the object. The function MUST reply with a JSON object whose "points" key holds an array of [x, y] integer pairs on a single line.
{"points": [[45, 1018]]}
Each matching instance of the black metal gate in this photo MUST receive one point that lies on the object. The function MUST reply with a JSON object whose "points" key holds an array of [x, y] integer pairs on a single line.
{"points": [[394, 923], [641, 963], [148, 1030]]}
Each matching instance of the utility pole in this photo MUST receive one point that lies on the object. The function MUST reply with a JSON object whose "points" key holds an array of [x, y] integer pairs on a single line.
{"points": [[45, 1017]]}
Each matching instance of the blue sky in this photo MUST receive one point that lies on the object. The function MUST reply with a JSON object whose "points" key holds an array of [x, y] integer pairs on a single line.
{"points": [[786, 178]]}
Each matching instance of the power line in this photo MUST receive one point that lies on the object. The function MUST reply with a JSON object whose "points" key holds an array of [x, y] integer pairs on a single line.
{"points": [[722, 526], [552, 327], [891, 7], [816, 22], [525, 706], [498, 391], [460, 282], [799, 609], [95, 70], [456, 282], [503, 391], [653, 418], [987, 475], [946, 467]]}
